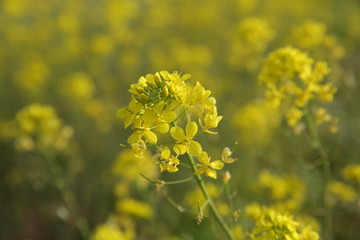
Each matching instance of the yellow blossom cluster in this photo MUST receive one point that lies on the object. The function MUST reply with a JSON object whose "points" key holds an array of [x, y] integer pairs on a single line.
{"points": [[256, 121], [273, 224], [312, 36], [288, 192], [39, 128], [293, 79], [159, 102], [251, 39]]}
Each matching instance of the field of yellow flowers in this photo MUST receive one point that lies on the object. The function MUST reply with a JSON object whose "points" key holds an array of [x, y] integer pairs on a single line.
{"points": [[179, 120]]}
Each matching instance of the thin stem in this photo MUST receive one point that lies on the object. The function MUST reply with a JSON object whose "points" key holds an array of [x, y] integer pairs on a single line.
{"points": [[158, 181], [67, 194], [174, 203], [326, 171], [211, 203]]}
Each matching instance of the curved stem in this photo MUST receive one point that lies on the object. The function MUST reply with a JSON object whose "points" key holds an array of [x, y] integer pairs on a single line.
{"points": [[211, 203], [67, 194], [326, 171]]}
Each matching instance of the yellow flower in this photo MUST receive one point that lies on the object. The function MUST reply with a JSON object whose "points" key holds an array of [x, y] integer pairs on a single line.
{"points": [[342, 191], [226, 156], [108, 232], [39, 128], [168, 162], [134, 207], [326, 92], [210, 121], [293, 116], [185, 142], [207, 167], [321, 116], [351, 172]]}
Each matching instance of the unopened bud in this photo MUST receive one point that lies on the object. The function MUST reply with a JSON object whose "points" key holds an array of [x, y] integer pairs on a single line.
{"points": [[165, 91], [227, 177], [157, 80], [144, 97]]}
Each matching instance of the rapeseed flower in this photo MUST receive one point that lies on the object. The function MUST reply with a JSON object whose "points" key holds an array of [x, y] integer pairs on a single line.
{"points": [[185, 142], [207, 167]]}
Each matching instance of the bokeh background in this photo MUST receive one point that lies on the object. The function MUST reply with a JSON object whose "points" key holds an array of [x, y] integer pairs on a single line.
{"points": [[79, 57]]}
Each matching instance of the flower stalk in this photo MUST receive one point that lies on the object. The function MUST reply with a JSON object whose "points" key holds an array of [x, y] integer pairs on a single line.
{"points": [[69, 199], [326, 171], [211, 203]]}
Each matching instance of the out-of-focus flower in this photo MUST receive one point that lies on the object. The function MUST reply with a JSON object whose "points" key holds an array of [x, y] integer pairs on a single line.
{"points": [[342, 192], [292, 80], [312, 36], [256, 123], [351, 172], [39, 128]]}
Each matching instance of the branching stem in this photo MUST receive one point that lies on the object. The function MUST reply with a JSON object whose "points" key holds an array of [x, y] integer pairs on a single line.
{"points": [[211, 203]]}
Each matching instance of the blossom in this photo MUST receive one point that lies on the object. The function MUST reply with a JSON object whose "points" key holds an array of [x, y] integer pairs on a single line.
{"points": [[168, 162], [185, 142], [207, 166]]}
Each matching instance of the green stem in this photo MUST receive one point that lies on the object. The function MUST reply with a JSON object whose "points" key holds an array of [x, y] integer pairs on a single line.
{"points": [[326, 171], [67, 194], [211, 203], [157, 181]]}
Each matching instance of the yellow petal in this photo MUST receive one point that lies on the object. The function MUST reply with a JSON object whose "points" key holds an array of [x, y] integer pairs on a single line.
{"points": [[128, 121], [200, 171], [168, 116], [172, 169], [165, 153], [195, 148], [185, 77], [177, 133], [191, 129], [217, 164], [150, 136], [211, 173], [133, 138], [122, 113], [179, 149], [162, 127], [204, 158]]}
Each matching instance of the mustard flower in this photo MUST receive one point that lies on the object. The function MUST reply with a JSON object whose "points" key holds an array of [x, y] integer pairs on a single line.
{"points": [[207, 167], [226, 156], [108, 232], [38, 127], [168, 162], [344, 192], [273, 224], [293, 79], [351, 172], [185, 142]]}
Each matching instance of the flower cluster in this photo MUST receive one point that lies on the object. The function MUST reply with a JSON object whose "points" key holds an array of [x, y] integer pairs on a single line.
{"points": [[39, 128], [257, 122], [312, 36], [293, 79], [251, 39], [272, 224], [159, 101], [288, 192]]}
